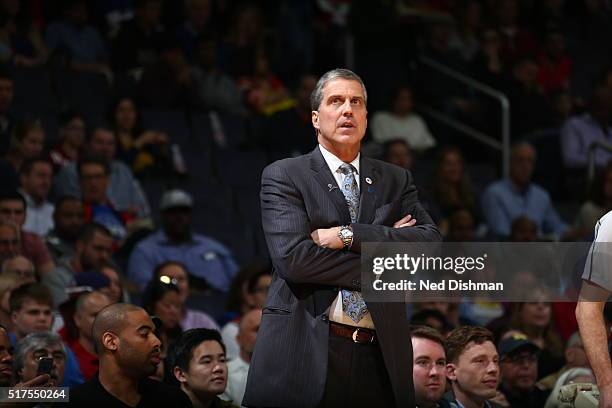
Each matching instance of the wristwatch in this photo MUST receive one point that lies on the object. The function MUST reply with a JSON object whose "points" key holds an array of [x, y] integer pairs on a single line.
{"points": [[346, 235]]}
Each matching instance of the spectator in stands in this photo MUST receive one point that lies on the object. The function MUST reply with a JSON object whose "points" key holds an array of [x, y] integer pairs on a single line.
{"points": [[249, 291], [472, 366], [115, 292], [94, 176], [465, 38], [175, 272], [6, 359], [31, 349], [535, 320], [523, 229], [428, 367], [24, 40], [31, 313], [199, 365], [197, 23], [575, 357], [162, 299], [10, 245], [203, 257], [68, 219], [238, 368], [238, 53], [563, 107], [571, 376], [128, 352], [519, 372], [451, 187], [402, 123], [531, 110], [505, 200], [168, 83], [137, 43], [488, 65], [13, 209], [124, 191], [88, 305], [21, 267], [27, 142], [36, 176], [581, 131], [461, 226], [6, 118], [145, 151], [430, 318], [555, 66], [77, 41], [599, 202], [93, 249], [8, 282], [398, 152], [71, 135], [216, 89], [517, 41]]}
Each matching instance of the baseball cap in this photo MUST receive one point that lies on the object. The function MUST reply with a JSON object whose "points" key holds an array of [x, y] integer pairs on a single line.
{"points": [[515, 343], [175, 198]]}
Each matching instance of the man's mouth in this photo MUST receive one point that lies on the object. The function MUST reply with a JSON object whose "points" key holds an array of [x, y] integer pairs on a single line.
{"points": [[347, 125]]}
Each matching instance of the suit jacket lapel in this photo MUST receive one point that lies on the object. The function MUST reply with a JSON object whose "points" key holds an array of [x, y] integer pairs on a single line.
{"points": [[368, 178], [327, 181]]}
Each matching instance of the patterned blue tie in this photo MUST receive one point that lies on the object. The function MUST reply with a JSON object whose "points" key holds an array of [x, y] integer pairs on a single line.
{"points": [[352, 302]]}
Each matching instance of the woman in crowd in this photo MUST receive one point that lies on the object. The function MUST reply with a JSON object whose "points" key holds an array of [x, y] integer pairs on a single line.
{"points": [[71, 134], [27, 142], [598, 203], [115, 291], [143, 150], [163, 300], [176, 273]]}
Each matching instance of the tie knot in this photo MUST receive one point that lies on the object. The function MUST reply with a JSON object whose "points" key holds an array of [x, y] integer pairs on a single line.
{"points": [[346, 168]]}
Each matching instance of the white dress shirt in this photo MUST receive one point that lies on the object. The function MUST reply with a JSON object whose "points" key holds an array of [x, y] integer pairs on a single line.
{"points": [[39, 217], [335, 311]]}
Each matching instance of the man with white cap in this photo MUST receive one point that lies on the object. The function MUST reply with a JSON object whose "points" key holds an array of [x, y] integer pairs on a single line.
{"points": [[204, 257]]}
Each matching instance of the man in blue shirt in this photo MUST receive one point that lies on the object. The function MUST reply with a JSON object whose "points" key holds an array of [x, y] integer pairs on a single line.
{"points": [[508, 199], [204, 257]]}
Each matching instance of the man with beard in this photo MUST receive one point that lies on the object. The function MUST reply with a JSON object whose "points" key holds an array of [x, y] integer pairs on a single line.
{"points": [[68, 220], [429, 367], [198, 364], [93, 249], [129, 351]]}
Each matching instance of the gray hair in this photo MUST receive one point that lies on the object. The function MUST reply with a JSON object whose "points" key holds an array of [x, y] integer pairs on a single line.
{"points": [[316, 97], [31, 342]]}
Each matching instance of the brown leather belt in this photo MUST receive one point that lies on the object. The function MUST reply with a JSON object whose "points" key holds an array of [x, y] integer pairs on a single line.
{"points": [[357, 334]]}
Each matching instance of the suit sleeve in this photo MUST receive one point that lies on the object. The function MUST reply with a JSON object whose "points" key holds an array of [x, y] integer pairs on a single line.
{"points": [[296, 257], [424, 231]]}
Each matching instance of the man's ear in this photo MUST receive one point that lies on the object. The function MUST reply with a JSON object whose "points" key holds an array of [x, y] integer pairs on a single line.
{"points": [[179, 375], [451, 371], [315, 119], [110, 341]]}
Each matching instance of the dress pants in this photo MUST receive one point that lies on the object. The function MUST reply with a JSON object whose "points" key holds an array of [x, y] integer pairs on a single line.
{"points": [[356, 376]]}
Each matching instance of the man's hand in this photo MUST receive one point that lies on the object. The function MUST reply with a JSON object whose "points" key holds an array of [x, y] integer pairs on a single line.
{"points": [[407, 221], [327, 238], [38, 381]]}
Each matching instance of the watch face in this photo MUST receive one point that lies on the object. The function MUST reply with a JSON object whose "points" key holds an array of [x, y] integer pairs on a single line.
{"points": [[346, 233]]}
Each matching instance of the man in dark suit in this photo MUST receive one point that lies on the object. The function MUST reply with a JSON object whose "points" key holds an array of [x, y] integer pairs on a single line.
{"points": [[319, 343]]}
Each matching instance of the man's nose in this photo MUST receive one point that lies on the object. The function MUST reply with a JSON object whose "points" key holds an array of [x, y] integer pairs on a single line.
{"points": [[347, 108]]}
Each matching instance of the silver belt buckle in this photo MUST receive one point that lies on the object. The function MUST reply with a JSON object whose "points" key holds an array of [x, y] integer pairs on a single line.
{"points": [[356, 332]]}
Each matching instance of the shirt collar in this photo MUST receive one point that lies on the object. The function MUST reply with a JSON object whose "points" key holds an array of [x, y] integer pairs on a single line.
{"points": [[333, 162]]}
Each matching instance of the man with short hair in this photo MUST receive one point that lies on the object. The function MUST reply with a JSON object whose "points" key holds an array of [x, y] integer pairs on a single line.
{"points": [[238, 368], [519, 372], [30, 307], [35, 176], [68, 219], [472, 367], [31, 349], [129, 352], [87, 307], [203, 256], [124, 191], [398, 152], [13, 209], [428, 367], [93, 249], [198, 364]]}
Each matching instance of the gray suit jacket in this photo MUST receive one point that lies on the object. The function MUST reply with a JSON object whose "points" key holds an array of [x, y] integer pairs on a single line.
{"points": [[289, 363]]}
